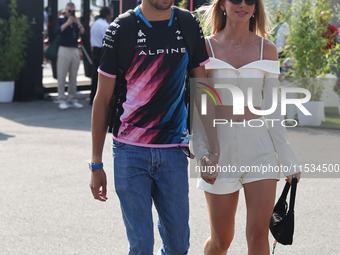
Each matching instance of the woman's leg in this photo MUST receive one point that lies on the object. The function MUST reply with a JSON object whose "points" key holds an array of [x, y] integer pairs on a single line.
{"points": [[260, 199], [222, 209]]}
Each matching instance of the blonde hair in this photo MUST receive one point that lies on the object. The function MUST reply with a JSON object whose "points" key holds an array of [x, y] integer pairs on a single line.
{"points": [[214, 19]]}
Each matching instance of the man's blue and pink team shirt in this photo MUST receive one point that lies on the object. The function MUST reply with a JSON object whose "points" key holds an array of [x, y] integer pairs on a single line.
{"points": [[154, 113]]}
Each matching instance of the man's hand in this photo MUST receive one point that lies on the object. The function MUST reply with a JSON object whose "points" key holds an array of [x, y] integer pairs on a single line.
{"points": [[77, 21], [68, 23], [71, 20], [98, 184]]}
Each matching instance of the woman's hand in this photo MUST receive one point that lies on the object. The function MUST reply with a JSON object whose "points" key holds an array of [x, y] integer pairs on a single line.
{"points": [[290, 177], [208, 168]]}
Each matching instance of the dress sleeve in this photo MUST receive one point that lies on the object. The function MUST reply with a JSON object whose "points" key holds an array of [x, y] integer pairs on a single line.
{"points": [[284, 151], [199, 138]]}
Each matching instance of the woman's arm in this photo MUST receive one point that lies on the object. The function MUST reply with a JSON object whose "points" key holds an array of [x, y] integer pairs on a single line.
{"points": [[286, 156], [207, 150]]}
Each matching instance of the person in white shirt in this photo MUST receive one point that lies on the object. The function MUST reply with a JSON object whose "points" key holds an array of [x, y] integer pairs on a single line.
{"points": [[98, 30], [282, 33]]}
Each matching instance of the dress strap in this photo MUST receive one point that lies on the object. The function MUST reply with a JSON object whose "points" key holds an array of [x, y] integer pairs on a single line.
{"points": [[211, 49], [261, 48]]}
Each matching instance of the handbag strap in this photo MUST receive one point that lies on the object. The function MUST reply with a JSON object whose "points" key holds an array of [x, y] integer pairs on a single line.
{"points": [[292, 195], [282, 199], [283, 196], [285, 192]]}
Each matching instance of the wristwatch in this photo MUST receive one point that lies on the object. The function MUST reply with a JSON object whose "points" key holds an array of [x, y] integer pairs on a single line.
{"points": [[93, 167], [215, 153]]}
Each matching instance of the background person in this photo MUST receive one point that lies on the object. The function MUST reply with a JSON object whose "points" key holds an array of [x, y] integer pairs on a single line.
{"points": [[239, 55], [97, 32], [92, 18], [281, 35], [68, 28], [45, 21], [61, 14]]}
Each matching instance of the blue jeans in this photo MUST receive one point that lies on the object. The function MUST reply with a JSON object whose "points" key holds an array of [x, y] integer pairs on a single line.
{"points": [[143, 175]]}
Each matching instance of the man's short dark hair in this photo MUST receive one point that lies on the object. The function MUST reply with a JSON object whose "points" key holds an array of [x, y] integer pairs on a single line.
{"points": [[104, 12], [70, 4]]}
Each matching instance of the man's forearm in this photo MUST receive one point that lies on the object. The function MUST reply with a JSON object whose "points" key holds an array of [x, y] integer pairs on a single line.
{"points": [[64, 26], [100, 116]]}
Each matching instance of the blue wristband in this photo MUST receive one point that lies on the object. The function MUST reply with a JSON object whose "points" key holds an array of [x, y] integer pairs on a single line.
{"points": [[95, 166]]}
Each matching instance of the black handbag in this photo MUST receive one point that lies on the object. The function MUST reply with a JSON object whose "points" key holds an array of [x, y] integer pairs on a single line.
{"points": [[282, 222], [52, 50]]}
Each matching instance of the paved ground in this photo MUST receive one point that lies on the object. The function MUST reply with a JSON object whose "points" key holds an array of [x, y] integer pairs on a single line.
{"points": [[50, 82], [47, 207]]}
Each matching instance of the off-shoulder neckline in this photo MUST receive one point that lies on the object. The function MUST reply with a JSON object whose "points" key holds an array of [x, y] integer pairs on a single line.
{"points": [[260, 60]]}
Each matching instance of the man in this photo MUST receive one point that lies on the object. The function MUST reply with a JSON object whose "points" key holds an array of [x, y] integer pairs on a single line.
{"points": [[68, 28], [149, 163], [98, 30]]}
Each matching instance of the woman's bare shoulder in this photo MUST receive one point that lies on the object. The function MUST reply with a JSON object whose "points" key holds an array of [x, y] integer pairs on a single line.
{"points": [[269, 50], [214, 42], [215, 37]]}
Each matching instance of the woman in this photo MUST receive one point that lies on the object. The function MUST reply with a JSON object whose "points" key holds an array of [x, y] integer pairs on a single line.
{"points": [[240, 56]]}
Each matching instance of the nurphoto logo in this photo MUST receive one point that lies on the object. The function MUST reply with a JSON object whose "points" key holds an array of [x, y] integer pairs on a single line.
{"points": [[238, 102]]}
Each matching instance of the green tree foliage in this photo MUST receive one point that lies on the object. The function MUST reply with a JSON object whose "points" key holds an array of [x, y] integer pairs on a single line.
{"points": [[14, 35], [306, 44], [183, 3]]}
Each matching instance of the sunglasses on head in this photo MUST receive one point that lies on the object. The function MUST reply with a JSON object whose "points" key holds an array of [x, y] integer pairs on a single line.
{"points": [[248, 2]]}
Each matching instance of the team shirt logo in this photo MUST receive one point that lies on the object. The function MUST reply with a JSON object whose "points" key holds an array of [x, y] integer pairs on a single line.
{"points": [[140, 33]]}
